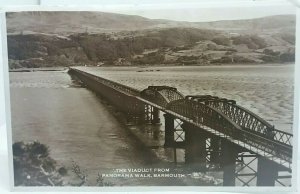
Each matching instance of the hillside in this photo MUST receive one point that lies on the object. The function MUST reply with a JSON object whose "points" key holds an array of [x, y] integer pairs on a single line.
{"points": [[65, 23], [96, 38], [282, 23], [176, 46]]}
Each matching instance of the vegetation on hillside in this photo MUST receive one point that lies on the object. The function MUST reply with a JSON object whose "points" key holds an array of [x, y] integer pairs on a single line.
{"points": [[181, 46]]}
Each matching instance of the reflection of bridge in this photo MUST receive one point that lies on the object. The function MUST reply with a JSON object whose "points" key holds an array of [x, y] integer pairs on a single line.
{"points": [[212, 130]]}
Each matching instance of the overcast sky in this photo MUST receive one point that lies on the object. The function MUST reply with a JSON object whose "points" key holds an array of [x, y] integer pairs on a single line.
{"points": [[179, 10], [212, 13]]}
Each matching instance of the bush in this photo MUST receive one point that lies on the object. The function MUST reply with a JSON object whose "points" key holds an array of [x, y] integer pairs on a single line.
{"points": [[253, 41], [33, 166], [271, 52], [270, 58], [222, 40], [287, 57]]}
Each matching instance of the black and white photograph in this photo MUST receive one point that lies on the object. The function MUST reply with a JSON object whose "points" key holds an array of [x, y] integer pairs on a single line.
{"points": [[191, 96]]}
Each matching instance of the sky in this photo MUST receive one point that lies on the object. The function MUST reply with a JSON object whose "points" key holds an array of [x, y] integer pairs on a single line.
{"points": [[179, 10], [200, 13]]}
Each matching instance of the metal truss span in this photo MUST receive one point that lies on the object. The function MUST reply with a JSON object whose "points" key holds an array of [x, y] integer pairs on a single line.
{"points": [[161, 95], [202, 113], [245, 118]]}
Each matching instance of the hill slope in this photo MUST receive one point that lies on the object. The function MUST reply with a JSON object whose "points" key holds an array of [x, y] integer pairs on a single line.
{"points": [[283, 23], [76, 22], [97, 22], [75, 38]]}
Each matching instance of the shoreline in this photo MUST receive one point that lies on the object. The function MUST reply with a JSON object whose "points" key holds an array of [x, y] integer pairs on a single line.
{"points": [[63, 68]]}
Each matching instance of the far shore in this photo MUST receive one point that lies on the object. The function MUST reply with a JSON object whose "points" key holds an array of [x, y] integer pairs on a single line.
{"points": [[164, 66]]}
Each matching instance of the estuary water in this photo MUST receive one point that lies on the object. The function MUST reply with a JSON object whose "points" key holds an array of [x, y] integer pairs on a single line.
{"points": [[77, 126], [47, 106]]}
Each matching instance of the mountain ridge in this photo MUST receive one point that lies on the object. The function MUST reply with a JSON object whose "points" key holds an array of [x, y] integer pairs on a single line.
{"points": [[101, 22]]}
